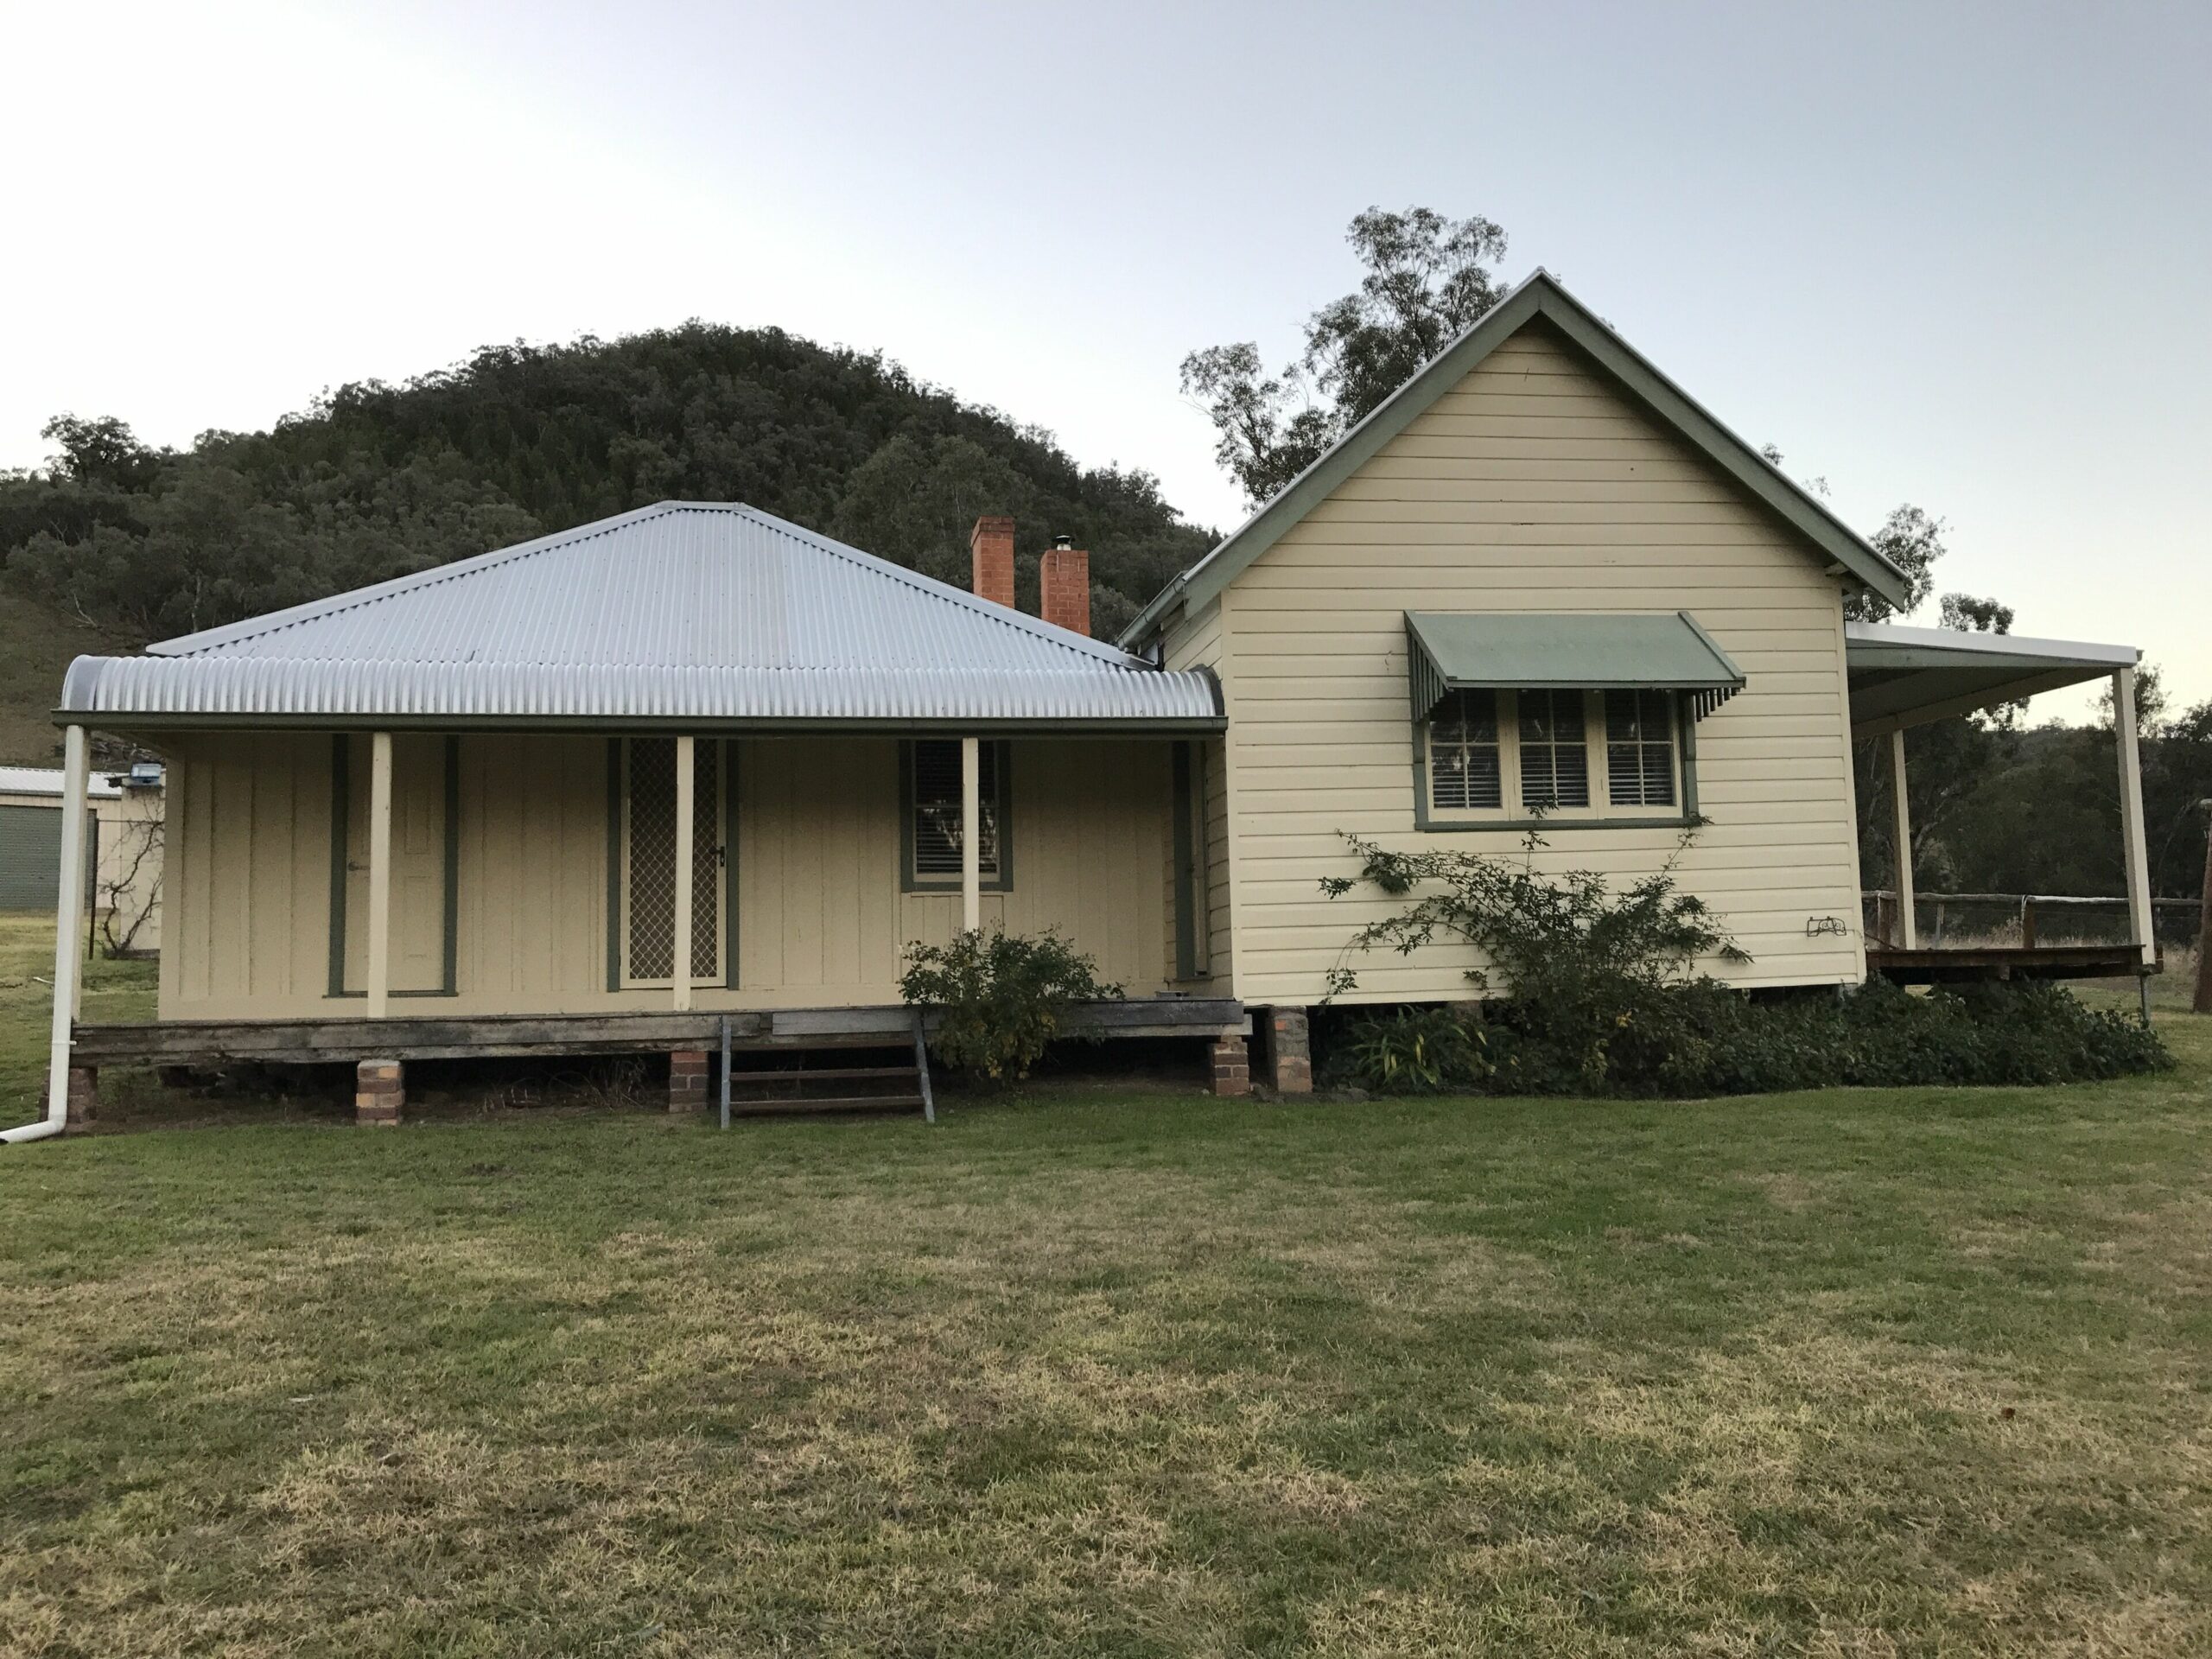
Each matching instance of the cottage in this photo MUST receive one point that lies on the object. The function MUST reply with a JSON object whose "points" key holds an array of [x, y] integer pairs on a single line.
{"points": [[605, 790]]}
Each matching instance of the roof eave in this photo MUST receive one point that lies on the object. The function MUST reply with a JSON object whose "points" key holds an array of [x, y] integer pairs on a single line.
{"points": [[754, 726]]}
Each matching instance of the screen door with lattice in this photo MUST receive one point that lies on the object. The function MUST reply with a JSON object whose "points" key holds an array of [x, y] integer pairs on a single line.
{"points": [[649, 861]]}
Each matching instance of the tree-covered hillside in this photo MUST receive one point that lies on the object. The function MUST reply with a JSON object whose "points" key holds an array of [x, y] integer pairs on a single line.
{"points": [[375, 480]]}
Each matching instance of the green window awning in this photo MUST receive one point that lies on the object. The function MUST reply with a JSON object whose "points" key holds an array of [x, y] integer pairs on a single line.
{"points": [[1457, 650]]}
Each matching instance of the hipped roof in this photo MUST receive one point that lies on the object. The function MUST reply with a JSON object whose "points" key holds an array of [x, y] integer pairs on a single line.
{"points": [[691, 613]]}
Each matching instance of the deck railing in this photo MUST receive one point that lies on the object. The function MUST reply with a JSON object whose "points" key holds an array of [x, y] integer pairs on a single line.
{"points": [[2023, 919]]}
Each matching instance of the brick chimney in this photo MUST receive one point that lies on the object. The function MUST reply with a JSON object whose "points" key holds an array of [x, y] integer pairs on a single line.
{"points": [[991, 545], [1064, 581]]}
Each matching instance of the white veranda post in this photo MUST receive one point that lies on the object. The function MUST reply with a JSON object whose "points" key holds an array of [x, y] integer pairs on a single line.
{"points": [[2131, 817], [379, 987], [971, 850], [1900, 832], [686, 755], [69, 910]]}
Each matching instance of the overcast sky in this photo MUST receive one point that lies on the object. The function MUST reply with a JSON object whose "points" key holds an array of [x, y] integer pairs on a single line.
{"points": [[1950, 254]]}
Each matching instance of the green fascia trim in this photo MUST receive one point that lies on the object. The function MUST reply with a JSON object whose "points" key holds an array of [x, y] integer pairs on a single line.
{"points": [[1451, 650], [1540, 296], [908, 881], [123, 721], [1689, 818]]}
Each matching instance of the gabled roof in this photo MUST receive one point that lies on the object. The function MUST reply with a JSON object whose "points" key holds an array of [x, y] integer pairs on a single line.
{"points": [[1540, 295], [685, 613]]}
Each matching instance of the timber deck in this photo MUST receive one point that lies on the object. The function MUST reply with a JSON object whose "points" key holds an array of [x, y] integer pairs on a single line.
{"points": [[1953, 965], [322, 1041]]}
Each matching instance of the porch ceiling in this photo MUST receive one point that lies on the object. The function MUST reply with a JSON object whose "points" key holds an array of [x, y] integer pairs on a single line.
{"points": [[1903, 677]]}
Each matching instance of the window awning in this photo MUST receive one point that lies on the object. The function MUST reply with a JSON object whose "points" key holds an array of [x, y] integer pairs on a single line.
{"points": [[1455, 651]]}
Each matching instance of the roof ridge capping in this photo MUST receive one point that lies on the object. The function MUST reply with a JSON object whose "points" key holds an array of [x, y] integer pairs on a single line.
{"points": [[1540, 293]]}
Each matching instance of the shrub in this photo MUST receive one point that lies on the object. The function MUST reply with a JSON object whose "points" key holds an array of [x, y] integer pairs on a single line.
{"points": [[1595, 975], [1001, 997], [1601, 994], [1414, 1051]]}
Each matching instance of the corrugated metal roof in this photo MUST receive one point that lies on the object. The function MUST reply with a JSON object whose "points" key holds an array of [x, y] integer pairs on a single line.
{"points": [[1451, 650], [682, 611], [44, 780], [1905, 676]]}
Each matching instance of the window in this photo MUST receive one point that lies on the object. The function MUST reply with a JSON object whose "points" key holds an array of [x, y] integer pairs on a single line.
{"points": [[1640, 748], [932, 810], [1555, 751], [1465, 769], [1520, 758]]}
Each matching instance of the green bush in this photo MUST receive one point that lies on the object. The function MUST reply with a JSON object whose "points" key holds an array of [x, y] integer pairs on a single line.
{"points": [[1416, 1051], [1001, 997], [1701, 1038], [1589, 991]]}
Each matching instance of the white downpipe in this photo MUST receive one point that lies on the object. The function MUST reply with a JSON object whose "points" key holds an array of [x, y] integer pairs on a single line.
{"points": [[68, 950]]}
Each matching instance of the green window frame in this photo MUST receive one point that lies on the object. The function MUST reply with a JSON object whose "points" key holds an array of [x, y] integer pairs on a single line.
{"points": [[929, 811]]}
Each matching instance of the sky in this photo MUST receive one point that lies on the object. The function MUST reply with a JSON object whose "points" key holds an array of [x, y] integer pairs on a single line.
{"points": [[1946, 254]]}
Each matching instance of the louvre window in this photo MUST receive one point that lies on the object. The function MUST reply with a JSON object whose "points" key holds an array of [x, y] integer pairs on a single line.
{"points": [[1465, 769], [1555, 751], [933, 810], [1640, 748]]}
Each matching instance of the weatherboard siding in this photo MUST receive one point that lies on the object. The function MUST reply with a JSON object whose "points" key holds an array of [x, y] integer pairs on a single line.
{"points": [[821, 921], [1533, 486], [1200, 640]]}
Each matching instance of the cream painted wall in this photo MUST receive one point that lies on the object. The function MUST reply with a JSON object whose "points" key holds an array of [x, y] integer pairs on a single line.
{"points": [[1200, 641], [822, 921], [1534, 485]]}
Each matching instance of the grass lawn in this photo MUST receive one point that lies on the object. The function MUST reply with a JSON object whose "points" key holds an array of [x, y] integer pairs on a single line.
{"points": [[1099, 1371]]}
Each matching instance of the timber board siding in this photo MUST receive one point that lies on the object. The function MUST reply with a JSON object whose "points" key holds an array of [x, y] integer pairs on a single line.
{"points": [[820, 921], [1535, 487], [1201, 641]]}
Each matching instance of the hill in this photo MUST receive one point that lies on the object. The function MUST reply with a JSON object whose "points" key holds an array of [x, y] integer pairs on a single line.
{"points": [[375, 480]]}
